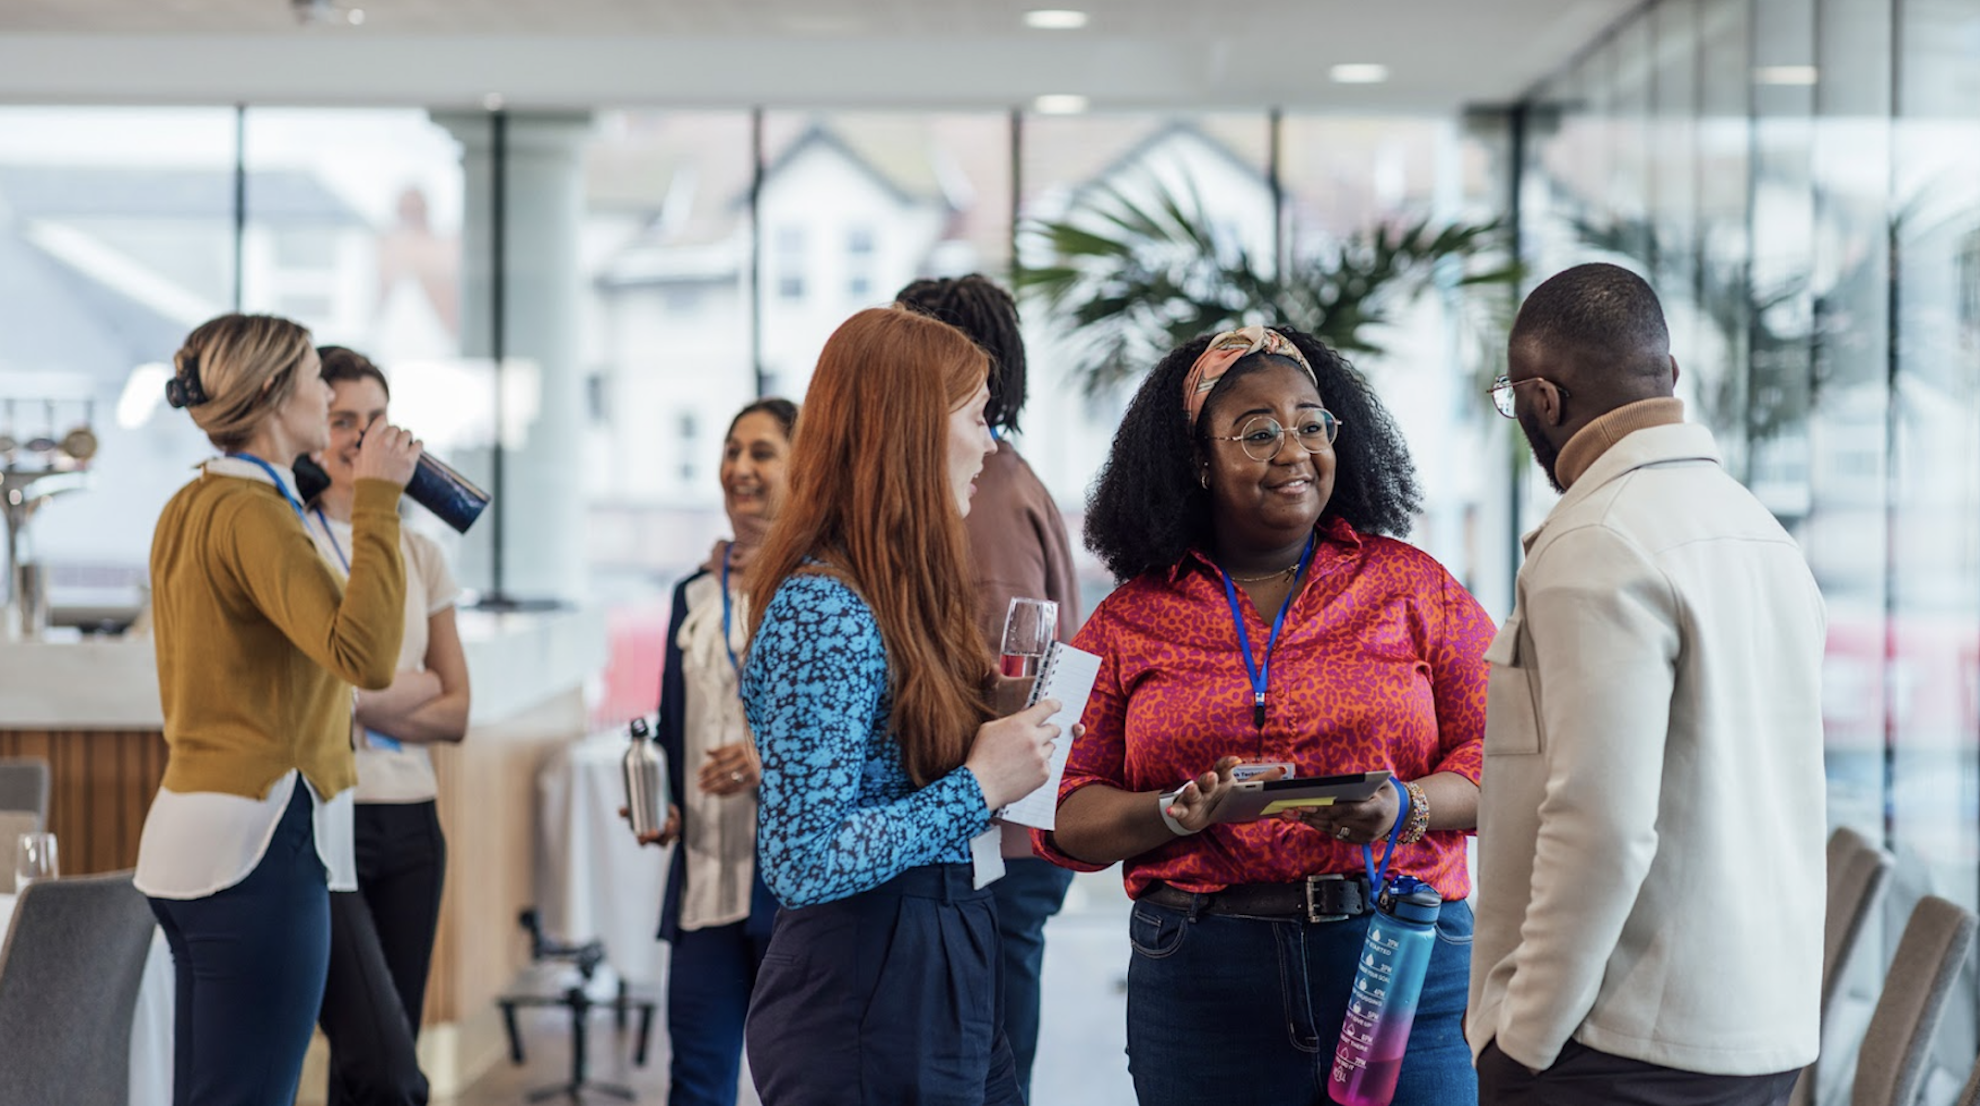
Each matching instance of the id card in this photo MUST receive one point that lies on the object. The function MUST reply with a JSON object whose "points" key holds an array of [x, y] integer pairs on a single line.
{"points": [[1245, 772]]}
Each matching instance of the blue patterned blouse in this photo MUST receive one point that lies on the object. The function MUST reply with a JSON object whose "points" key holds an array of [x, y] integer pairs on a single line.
{"points": [[839, 814]]}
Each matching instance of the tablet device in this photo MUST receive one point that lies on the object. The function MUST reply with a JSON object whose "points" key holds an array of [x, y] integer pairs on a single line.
{"points": [[1254, 799]]}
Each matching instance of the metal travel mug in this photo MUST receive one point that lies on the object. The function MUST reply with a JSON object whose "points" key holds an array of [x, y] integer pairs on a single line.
{"points": [[453, 498]]}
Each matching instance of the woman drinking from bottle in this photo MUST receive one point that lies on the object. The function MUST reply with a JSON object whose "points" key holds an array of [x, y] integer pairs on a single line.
{"points": [[258, 644], [381, 935], [1262, 618], [865, 687]]}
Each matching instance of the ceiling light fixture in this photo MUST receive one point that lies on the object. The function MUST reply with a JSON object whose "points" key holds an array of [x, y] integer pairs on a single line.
{"points": [[1055, 19], [355, 16], [1059, 103], [493, 101], [1786, 74], [1359, 73]]}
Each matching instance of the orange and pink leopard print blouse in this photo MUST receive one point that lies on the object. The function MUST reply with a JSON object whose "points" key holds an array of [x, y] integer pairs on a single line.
{"points": [[1380, 665]]}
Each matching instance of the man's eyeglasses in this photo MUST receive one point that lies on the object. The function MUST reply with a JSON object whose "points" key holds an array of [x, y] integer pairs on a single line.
{"points": [[1501, 392], [1261, 437]]}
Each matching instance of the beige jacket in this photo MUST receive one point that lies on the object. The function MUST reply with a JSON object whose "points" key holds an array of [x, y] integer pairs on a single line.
{"points": [[1651, 824]]}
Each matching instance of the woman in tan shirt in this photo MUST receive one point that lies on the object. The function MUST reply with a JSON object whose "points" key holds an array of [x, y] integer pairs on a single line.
{"points": [[258, 643]]}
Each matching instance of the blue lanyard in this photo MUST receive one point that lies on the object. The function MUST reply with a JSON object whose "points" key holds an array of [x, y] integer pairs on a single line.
{"points": [[334, 547], [1261, 670], [727, 611], [279, 486], [1375, 875]]}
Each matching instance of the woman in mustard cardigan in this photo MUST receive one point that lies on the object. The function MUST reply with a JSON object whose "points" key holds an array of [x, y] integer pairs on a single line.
{"points": [[258, 645]]}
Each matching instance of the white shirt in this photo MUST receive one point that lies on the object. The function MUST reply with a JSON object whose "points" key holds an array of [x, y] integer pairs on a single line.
{"points": [[1651, 816], [197, 843], [405, 774]]}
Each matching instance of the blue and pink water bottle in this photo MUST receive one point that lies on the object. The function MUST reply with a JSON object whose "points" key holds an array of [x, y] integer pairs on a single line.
{"points": [[1387, 982]]}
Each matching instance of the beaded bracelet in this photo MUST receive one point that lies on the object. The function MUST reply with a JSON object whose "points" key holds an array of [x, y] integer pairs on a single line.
{"points": [[1419, 816]]}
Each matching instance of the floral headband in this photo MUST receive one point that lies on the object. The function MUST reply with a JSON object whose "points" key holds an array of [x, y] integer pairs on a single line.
{"points": [[1228, 349]]}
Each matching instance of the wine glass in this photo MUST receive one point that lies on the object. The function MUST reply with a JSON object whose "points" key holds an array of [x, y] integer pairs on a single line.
{"points": [[1029, 628], [35, 857]]}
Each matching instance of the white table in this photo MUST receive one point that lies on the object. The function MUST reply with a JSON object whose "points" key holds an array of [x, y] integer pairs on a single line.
{"points": [[593, 878], [151, 1019]]}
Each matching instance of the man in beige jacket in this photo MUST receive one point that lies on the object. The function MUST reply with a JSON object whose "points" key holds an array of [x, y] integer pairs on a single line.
{"points": [[1650, 826]]}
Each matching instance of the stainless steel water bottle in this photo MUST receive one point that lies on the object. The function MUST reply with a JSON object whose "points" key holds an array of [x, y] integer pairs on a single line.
{"points": [[646, 781]]}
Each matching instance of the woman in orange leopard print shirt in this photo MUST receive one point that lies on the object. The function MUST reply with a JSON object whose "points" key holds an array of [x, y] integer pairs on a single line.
{"points": [[1263, 618]]}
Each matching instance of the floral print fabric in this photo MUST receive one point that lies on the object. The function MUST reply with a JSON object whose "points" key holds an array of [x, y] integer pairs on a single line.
{"points": [[839, 814]]}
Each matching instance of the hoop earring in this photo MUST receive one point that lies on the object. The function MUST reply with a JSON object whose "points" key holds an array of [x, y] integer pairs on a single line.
{"points": [[1203, 477]]}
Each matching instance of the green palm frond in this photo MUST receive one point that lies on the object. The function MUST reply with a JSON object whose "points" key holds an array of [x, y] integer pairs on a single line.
{"points": [[1132, 278]]}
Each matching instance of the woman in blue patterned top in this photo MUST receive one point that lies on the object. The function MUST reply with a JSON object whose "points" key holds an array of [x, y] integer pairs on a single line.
{"points": [[866, 688]]}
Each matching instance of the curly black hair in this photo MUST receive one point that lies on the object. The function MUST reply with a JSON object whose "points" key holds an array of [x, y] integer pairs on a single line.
{"points": [[1148, 507], [975, 305]]}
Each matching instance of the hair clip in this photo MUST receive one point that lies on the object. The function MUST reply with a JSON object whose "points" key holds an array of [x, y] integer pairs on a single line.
{"points": [[186, 390]]}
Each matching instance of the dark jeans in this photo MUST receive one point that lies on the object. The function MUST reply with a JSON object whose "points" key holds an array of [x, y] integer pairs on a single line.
{"points": [[886, 998], [381, 949], [1582, 1076], [1031, 891], [250, 962], [709, 979], [1224, 1009]]}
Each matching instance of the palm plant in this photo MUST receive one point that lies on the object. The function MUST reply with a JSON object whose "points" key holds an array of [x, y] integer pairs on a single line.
{"points": [[1131, 279]]}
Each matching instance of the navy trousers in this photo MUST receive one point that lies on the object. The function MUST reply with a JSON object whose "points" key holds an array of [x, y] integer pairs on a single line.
{"points": [[1031, 891], [709, 980], [1216, 1002], [886, 998], [381, 949], [250, 962]]}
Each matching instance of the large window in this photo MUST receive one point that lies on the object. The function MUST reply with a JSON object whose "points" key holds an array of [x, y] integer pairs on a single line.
{"points": [[117, 238], [1812, 222]]}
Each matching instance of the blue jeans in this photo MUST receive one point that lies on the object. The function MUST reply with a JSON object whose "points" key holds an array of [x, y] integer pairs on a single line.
{"points": [[709, 980], [1031, 891], [250, 962], [1224, 1009]]}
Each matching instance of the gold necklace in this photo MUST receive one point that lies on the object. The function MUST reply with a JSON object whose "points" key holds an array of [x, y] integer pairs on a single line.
{"points": [[1289, 570]]}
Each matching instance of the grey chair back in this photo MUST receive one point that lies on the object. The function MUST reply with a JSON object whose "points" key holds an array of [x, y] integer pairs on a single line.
{"points": [[1858, 874], [13, 823], [24, 786], [69, 976], [1891, 1066]]}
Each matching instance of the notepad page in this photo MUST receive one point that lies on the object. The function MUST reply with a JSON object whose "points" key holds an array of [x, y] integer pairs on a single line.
{"points": [[1067, 676]]}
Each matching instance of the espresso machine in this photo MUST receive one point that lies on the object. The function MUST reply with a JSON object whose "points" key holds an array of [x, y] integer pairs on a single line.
{"points": [[36, 466]]}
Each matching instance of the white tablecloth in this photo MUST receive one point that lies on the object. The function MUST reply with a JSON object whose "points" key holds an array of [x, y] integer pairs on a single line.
{"points": [[151, 1019], [593, 878]]}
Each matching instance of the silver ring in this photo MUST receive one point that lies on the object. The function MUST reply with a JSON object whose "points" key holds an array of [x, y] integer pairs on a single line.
{"points": [[736, 777], [1341, 833]]}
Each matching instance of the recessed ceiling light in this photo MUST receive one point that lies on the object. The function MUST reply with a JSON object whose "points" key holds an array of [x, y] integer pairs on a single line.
{"points": [[356, 16], [493, 101], [1059, 103], [1055, 19], [1786, 74], [1359, 73]]}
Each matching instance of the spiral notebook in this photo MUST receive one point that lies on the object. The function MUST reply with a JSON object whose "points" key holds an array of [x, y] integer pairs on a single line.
{"points": [[1067, 675]]}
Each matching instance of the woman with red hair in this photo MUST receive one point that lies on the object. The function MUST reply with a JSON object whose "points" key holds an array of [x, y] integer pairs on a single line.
{"points": [[865, 689]]}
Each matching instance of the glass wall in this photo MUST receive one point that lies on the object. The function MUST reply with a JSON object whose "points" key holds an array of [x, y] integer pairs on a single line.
{"points": [[1804, 197]]}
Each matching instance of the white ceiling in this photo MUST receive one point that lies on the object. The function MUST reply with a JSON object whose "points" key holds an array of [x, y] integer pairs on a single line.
{"points": [[933, 53]]}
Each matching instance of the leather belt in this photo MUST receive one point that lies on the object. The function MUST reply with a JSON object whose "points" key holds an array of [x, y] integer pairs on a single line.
{"points": [[1329, 898]]}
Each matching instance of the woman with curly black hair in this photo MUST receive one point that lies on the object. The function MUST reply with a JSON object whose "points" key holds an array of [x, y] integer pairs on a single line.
{"points": [[1263, 618]]}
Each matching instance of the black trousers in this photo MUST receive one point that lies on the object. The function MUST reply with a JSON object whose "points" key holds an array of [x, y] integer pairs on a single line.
{"points": [[1583, 1076], [381, 948]]}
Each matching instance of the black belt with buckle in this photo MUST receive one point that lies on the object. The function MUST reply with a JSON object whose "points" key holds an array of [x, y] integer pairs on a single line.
{"points": [[1329, 898]]}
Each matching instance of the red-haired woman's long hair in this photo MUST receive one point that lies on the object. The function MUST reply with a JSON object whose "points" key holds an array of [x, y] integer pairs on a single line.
{"points": [[870, 496]]}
